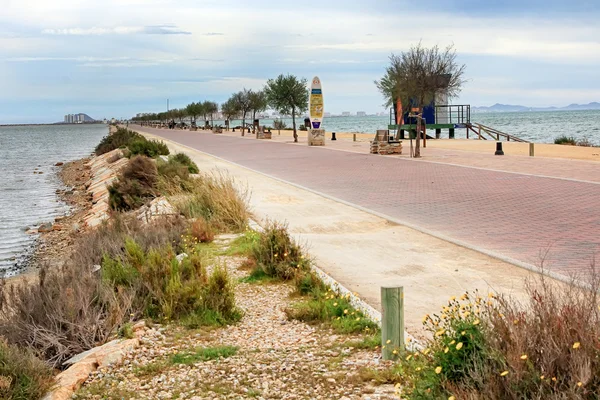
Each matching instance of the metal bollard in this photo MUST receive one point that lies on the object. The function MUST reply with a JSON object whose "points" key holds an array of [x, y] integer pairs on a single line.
{"points": [[499, 151], [333, 136]]}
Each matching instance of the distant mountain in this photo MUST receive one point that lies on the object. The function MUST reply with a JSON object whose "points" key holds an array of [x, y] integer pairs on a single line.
{"points": [[516, 108]]}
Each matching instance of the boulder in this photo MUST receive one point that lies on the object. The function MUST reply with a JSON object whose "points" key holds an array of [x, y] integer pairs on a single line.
{"points": [[59, 164], [158, 207], [44, 228]]}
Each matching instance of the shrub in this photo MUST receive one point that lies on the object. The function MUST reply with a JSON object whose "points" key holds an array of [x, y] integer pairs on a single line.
{"points": [[277, 255], [547, 348], [121, 138], [65, 312], [184, 159], [22, 375], [69, 310], [202, 231], [216, 199], [565, 140], [136, 185], [303, 128], [148, 148], [168, 289]]}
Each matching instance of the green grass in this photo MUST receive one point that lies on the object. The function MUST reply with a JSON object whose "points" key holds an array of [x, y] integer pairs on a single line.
{"points": [[209, 318], [565, 140], [258, 276], [151, 369], [369, 342], [126, 331], [243, 245], [337, 312], [203, 354]]}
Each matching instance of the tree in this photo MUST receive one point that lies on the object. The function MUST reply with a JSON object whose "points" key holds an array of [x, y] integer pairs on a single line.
{"points": [[279, 125], [288, 95], [258, 102], [417, 75], [229, 110], [242, 102], [193, 111], [211, 108]]}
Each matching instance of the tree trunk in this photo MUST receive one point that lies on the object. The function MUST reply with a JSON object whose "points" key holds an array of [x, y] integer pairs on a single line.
{"points": [[244, 124], [294, 125], [418, 142]]}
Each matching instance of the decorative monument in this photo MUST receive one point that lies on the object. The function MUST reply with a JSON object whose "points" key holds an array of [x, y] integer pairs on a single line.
{"points": [[316, 135]]}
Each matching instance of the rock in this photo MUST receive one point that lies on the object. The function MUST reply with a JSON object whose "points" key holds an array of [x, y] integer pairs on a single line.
{"points": [[157, 208], [59, 218], [59, 164], [96, 268], [181, 257], [45, 228], [75, 227], [40, 172], [57, 227]]}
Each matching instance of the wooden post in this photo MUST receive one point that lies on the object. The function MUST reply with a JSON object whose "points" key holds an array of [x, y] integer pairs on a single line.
{"points": [[531, 151], [354, 137], [392, 322]]}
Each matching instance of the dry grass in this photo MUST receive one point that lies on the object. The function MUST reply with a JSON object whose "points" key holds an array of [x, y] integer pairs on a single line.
{"points": [[22, 375], [217, 199], [546, 348], [137, 184]]}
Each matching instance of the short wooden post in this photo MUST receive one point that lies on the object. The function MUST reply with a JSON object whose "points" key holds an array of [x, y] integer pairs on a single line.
{"points": [[392, 322], [531, 150], [354, 137]]}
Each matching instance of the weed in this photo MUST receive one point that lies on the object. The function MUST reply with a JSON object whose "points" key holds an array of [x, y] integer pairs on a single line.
{"points": [[202, 231], [203, 354], [148, 148], [136, 185], [126, 331], [184, 159], [22, 375], [565, 140]]}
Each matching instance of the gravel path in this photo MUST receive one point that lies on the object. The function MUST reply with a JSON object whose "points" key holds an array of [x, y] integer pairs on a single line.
{"points": [[276, 358]]}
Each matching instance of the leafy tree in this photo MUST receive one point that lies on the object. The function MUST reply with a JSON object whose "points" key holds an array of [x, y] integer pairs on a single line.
{"points": [[258, 102], [279, 125], [242, 102], [417, 75], [211, 108], [229, 109], [193, 111], [288, 95]]}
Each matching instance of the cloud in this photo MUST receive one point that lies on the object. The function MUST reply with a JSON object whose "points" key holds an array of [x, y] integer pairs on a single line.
{"points": [[166, 29], [213, 34]]}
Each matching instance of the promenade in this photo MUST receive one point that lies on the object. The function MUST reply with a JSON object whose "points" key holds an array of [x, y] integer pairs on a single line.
{"points": [[517, 215]]}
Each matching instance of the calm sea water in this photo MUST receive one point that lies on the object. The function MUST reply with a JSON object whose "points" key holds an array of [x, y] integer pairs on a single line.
{"points": [[28, 199], [540, 127]]}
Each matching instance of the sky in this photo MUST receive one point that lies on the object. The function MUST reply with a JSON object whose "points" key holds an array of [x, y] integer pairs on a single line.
{"points": [[115, 58]]}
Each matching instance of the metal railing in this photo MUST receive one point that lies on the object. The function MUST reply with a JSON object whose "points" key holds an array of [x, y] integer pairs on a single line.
{"points": [[457, 114]]}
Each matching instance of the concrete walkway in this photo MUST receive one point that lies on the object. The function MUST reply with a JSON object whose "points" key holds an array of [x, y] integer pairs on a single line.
{"points": [[360, 250]]}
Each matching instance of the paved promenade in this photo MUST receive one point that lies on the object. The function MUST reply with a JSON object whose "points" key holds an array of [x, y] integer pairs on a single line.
{"points": [[514, 215]]}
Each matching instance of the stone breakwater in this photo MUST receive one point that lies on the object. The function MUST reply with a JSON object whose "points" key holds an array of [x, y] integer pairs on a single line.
{"points": [[104, 171]]}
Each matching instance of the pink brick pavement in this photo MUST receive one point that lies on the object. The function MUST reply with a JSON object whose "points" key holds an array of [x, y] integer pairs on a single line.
{"points": [[514, 215]]}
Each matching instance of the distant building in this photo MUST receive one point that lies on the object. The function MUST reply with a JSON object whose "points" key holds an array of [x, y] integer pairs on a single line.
{"points": [[327, 115], [346, 114], [79, 118], [361, 114]]}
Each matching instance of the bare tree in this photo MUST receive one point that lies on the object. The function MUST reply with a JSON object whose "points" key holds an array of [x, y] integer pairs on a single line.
{"points": [[417, 75]]}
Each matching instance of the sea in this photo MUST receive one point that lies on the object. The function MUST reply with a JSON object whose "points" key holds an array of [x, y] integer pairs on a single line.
{"points": [[28, 199], [534, 126]]}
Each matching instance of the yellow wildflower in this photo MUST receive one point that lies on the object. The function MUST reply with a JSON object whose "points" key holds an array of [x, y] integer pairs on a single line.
{"points": [[446, 350], [464, 297], [466, 314], [425, 317], [451, 398], [418, 369], [553, 379], [395, 352], [476, 322], [452, 298], [357, 319], [388, 341], [345, 311], [452, 342], [335, 304], [459, 346], [463, 333], [524, 357], [504, 373], [576, 345], [579, 384], [440, 332], [542, 377], [438, 370], [426, 351], [408, 357]]}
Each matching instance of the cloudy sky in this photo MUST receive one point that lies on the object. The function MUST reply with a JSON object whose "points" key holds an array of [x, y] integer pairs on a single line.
{"points": [[113, 58]]}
